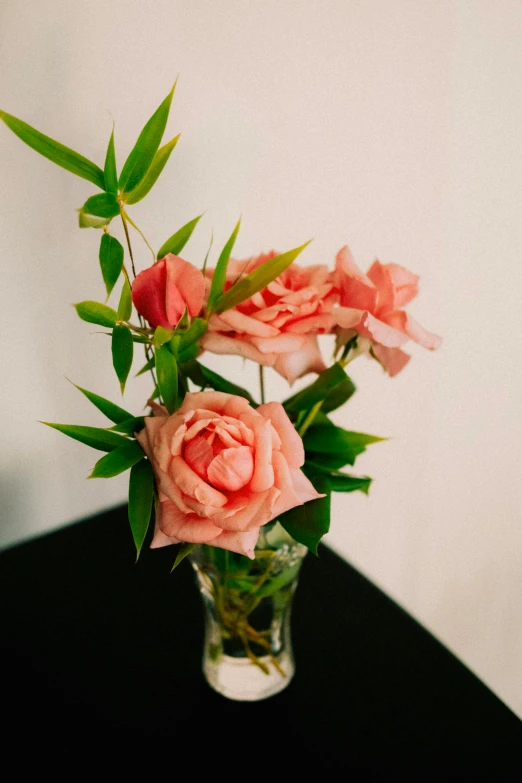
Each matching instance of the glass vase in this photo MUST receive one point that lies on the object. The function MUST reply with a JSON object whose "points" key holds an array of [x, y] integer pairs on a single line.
{"points": [[247, 650]]}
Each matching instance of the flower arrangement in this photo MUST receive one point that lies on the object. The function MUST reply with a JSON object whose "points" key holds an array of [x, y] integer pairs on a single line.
{"points": [[208, 463]]}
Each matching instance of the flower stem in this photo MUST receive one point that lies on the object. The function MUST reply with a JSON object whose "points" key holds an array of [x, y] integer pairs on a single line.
{"points": [[140, 232], [262, 383], [310, 417]]}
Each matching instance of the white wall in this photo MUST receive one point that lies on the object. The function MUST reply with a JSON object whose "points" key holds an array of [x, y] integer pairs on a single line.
{"points": [[391, 126]]}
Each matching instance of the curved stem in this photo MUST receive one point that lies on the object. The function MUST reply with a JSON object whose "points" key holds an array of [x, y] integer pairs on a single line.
{"points": [[262, 383], [140, 232]]}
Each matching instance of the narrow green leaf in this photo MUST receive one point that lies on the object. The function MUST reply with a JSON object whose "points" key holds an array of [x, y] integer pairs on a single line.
{"points": [[97, 438], [342, 483], [108, 408], [257, 280], [167, 369], [203, 376], [156, 167], [219, 277], [89, 221], [96, 313], [183, 551], [337, 442], [111, 260], [102, 205], [147, 366], [327, 463], [125, 303], [317, 391], [130, 426], [63, 156], [177, 241], [142, 155], [122, 352], [162, 336], [141, 488], [119, 460], [309, 523], [110, 174]]}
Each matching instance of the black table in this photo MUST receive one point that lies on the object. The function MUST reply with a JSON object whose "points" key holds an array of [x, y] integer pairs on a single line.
{"points": [[103, 655]]}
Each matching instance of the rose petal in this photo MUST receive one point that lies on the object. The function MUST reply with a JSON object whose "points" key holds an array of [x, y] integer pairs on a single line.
{"points": [[392, 359], [291, 444], [191, 484], [297, 363], [263, 477], [188, 280], [405, 323], [220, 344], [186, 527], [242, 543], [232, 469], [251, 326]]}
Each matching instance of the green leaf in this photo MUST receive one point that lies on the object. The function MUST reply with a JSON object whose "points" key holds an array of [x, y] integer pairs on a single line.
{"points": [[317, 391], [184, 344], [147, 366], [177, 241], [142, 155], [309, 523], [219, 277], [183, 551], [337, 443], [339, 395], [111, 260], [257, 280], [125, 303], [167, 369], [110, 174], [122, 352], [162, 336], [341, 483], [119, 460], [108, 408], [97, 438], [63, 156], [89, 221], [203, 376], [156, 167], [141, 488], [130, 426], [102, 205], [96, 313]]}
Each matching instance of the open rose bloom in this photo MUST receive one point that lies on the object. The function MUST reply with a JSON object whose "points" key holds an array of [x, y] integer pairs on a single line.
{"points": [[223, 469], [371, 305], [278, 326]]}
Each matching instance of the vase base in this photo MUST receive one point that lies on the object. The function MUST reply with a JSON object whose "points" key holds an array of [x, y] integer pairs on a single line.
{"points": [[241, 680]]}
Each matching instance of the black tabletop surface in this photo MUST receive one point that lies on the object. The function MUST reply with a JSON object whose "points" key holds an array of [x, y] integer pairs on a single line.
{"points": [[104, 655]]}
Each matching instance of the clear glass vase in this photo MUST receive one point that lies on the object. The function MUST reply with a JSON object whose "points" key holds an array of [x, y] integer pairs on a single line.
{"points": [[247, 651]]}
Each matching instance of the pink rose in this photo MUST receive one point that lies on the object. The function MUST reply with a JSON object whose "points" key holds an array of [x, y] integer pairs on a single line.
{"points": [[161, 292], [278, 326], [372, 304], [223, 469]]}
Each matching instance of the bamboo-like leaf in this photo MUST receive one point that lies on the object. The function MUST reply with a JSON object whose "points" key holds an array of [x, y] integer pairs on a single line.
{"points": [[102, 205], [111, 260], [108, 408], [96, 313], [125, 303], [310, 522], [130, 426], [109, 173], [156, 167], [141, 488], [142, 155], [257, 280], [52, 150], [90, 221], [122, 352], [220, 272], [167, 369], [149, 365], [177, 241], [184, 550], [119, 460], [97, 438]]}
